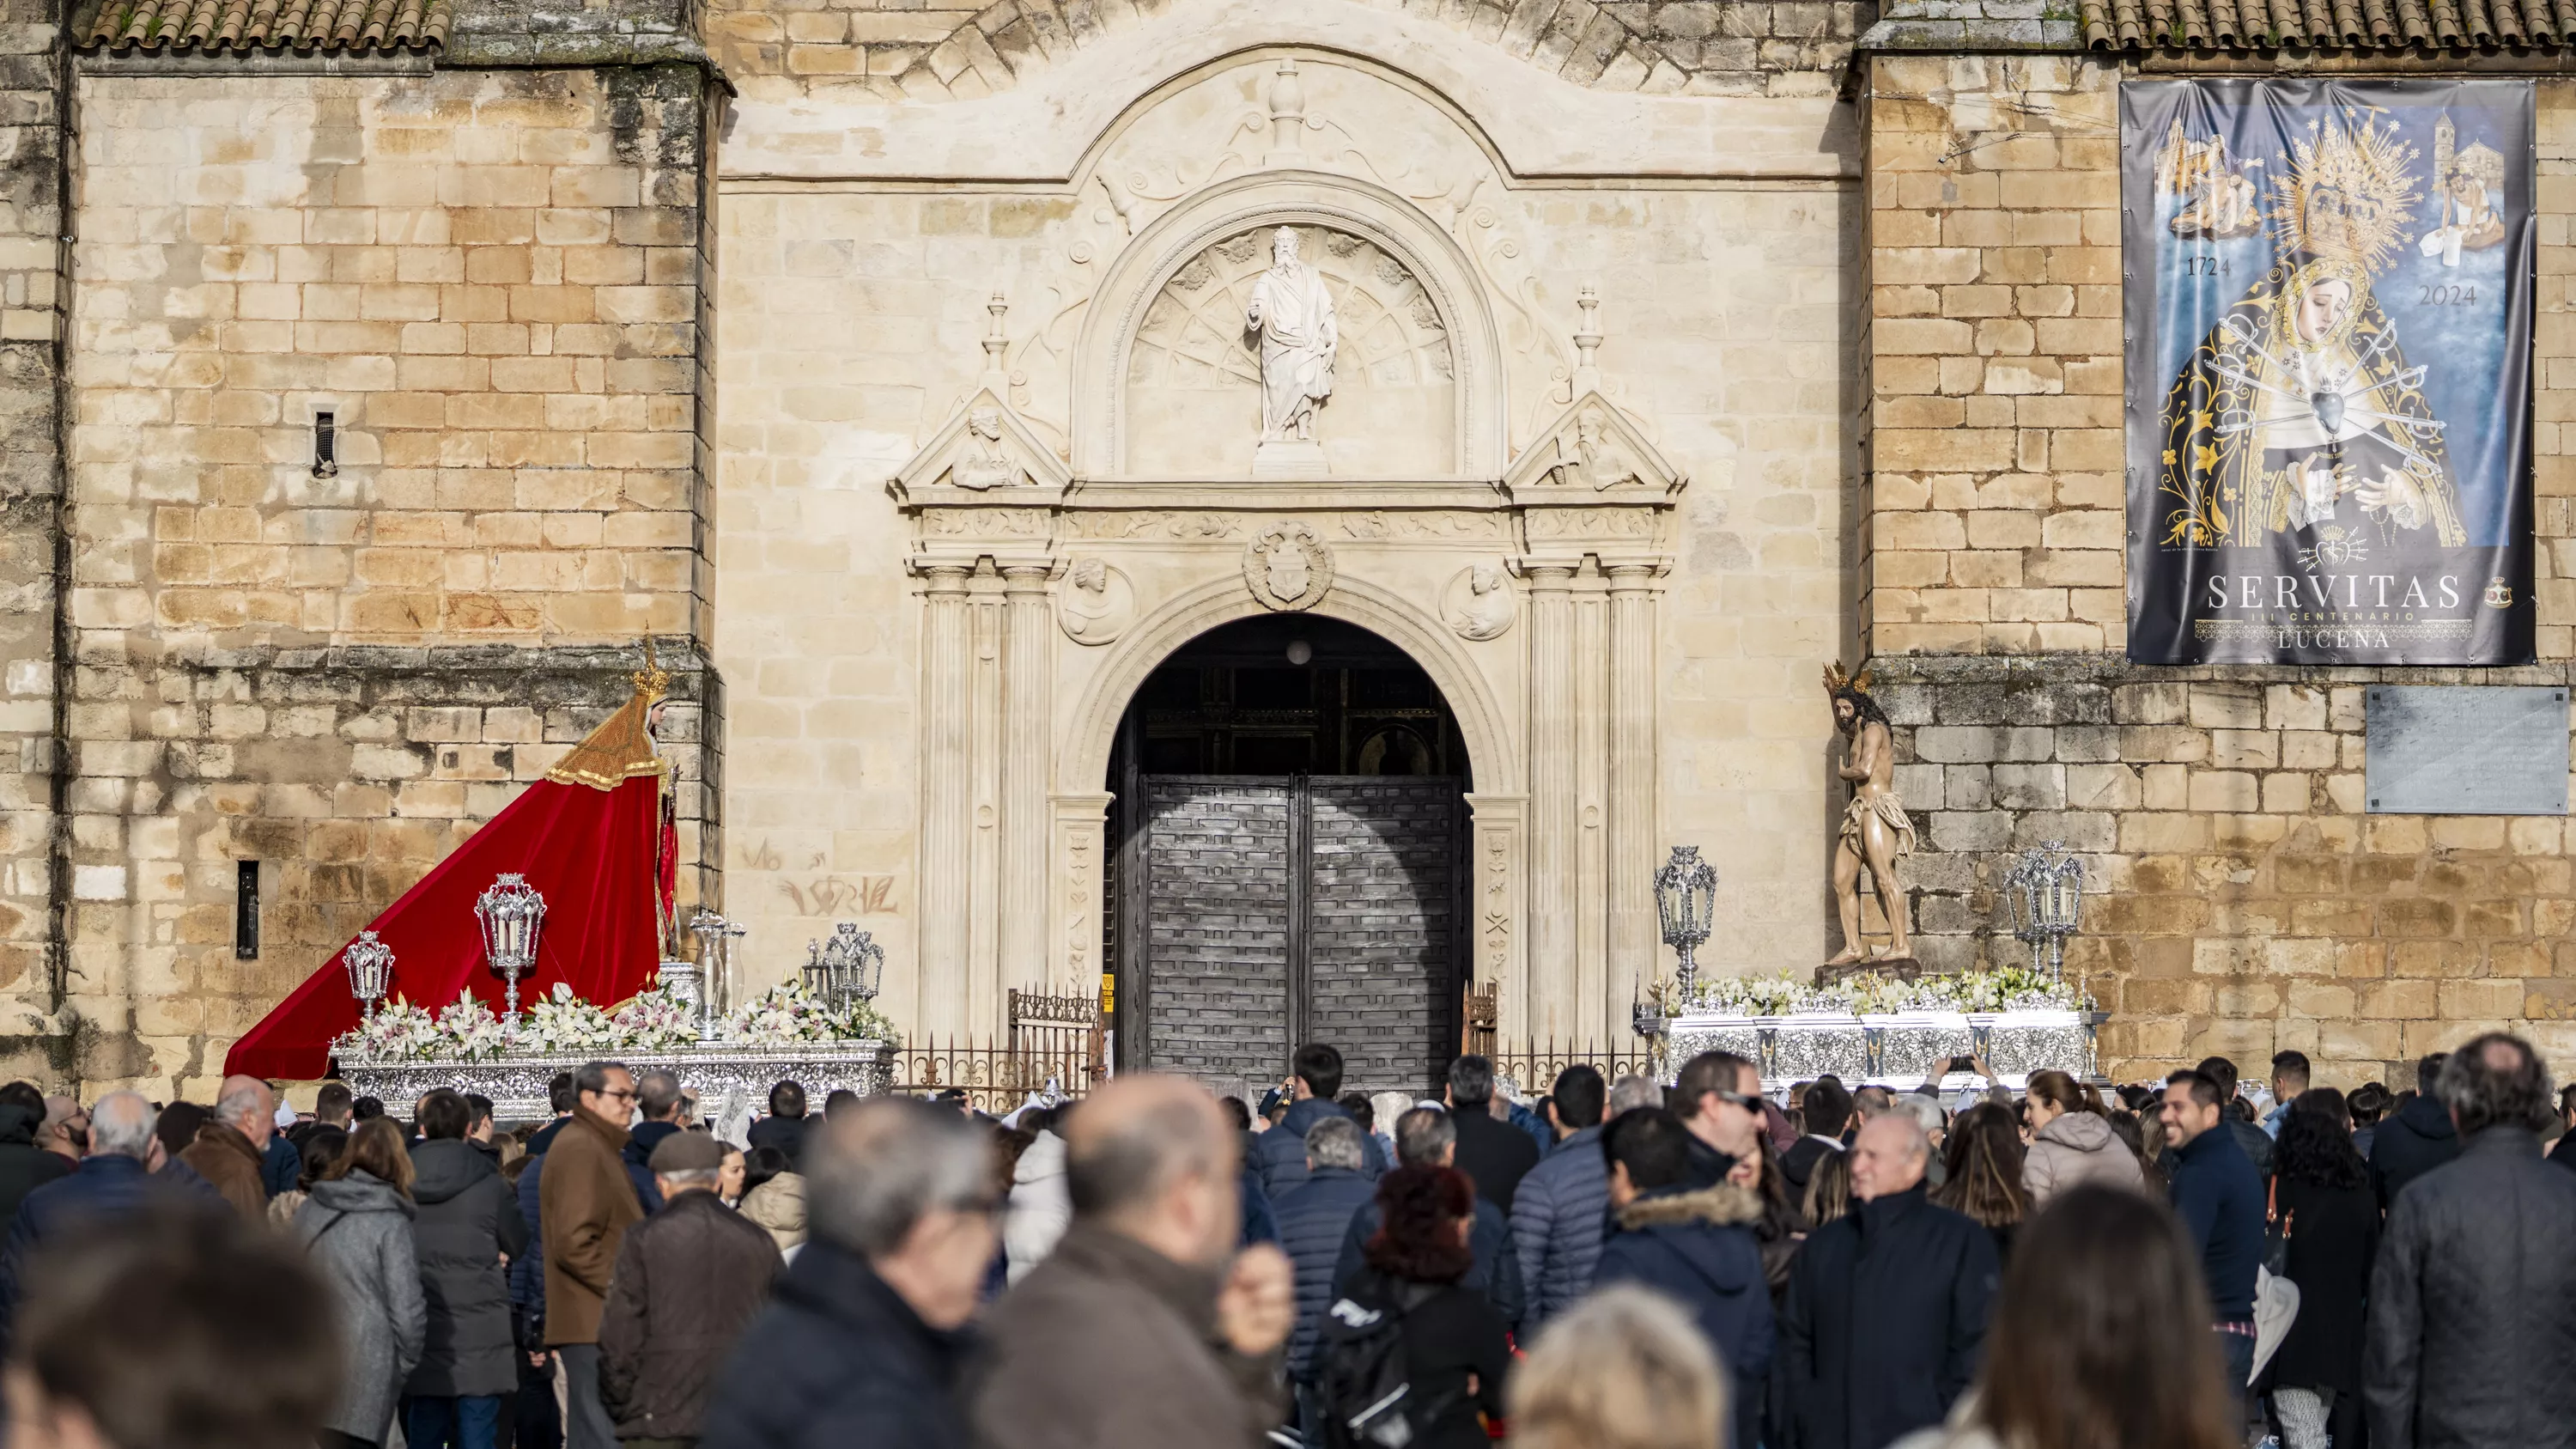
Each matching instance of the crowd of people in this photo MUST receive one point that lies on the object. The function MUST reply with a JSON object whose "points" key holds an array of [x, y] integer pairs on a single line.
{"points": [[2183, 1264]]}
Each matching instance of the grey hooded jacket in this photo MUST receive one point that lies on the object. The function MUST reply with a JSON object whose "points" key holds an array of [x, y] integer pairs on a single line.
{"points": [[359, 1232]]}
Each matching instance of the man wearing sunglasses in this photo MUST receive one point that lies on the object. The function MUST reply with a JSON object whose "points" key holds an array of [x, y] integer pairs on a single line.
{"points": [[1718, 1096], [585, 1205]]}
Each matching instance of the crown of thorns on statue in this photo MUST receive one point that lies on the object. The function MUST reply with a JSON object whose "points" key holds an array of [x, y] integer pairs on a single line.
{"points": [[1854, 687]]}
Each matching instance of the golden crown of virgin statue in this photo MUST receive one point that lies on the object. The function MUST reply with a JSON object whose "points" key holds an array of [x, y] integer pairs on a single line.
{"points": [[2347, 195]]}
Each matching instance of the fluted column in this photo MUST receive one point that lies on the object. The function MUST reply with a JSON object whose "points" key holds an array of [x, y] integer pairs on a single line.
{"points": [[984, 853], [1027, 692], [1552, 853], [1591, 813], [1633, 928], [947, 798]]}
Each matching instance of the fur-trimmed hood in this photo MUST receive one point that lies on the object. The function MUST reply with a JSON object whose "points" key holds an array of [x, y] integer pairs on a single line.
{"points": [[1725, 1205]]}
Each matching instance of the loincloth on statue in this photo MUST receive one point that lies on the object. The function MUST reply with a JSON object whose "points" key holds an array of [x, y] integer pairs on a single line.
{"points": [[1891, 813]]}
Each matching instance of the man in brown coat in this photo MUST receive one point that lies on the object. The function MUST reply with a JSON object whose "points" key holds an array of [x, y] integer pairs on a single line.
{"points": [[688, 1279], [230, 1144], [1145, 1328], [585, 1204]]}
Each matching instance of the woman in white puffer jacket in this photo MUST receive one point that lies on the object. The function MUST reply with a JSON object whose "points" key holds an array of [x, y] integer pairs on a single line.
{"points": [[2071, 1141], [1041, 1204]]}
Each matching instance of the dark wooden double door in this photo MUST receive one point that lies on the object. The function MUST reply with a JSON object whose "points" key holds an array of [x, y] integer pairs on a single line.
{"points": [[1262, 911]]}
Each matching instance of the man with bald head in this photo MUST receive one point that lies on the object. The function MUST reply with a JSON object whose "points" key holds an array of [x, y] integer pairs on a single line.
{"points": [[232, 1146], [1146, 1328], [1887, 1305]]}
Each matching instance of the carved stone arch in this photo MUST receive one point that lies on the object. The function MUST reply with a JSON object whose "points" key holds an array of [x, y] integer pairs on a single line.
{"points": [[1482, 722], [1101, 150], [1016, 43], [1138, 276]]}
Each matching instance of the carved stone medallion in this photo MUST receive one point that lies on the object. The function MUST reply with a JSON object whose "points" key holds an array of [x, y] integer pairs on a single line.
{"points": [[1478, 602], [1096, 603], [1287, 567]]}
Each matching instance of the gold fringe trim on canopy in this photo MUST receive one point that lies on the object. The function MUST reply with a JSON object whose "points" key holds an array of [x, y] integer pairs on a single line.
{"points": [[622, 747]]}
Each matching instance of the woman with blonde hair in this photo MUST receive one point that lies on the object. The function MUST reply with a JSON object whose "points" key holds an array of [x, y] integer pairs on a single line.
{"points": [[2071, 1140], [1625, 1369]]}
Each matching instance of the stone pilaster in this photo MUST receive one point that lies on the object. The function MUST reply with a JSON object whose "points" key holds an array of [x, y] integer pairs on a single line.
{"points": [[1633, 932], [1552, 850], [1028, 688], [983, 991], [947, 800], [1499, 910], [1592, 865], [1075, 961]]}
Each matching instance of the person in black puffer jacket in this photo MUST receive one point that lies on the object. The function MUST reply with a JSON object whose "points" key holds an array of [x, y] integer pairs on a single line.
{"points": [[1313, 1216], [24, 1166], [468, 1218], [2414, 1139], [1561, 1208], [1696, 1246], [842, 1357], [2473, 1298]]}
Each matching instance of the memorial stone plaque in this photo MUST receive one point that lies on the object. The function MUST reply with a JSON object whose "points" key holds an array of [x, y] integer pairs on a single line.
{"points": [[2465, 750]]}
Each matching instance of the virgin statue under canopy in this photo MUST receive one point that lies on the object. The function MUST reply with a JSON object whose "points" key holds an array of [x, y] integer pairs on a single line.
{"points": [[2297, 414]]}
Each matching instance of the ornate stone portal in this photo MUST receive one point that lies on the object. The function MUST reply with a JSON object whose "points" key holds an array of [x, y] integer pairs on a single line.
{"points": [[1308, 380]]}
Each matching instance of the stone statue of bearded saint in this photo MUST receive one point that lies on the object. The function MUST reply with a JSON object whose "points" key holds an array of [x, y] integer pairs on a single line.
{"points": [[1294, 315]]}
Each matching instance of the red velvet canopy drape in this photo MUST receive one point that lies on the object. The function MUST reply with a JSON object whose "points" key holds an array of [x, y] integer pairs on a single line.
{"points": [[589, 851]]}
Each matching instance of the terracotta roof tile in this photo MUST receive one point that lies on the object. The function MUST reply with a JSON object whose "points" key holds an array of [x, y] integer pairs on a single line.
{"points": [[2326, 24], [216, 26]]}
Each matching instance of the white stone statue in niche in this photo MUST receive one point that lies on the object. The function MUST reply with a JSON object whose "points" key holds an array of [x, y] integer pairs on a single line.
{"points": [[1294, 316], [983, 459], [1588, 454]]}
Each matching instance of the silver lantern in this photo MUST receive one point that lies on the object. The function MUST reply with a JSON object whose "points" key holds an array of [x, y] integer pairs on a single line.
{"points": [[370, 964], [512, 913], [1686, 901], [845, 970], [2046, 888]]}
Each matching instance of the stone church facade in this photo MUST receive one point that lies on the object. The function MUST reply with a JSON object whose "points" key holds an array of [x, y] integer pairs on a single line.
{"points": [[887, 366]]}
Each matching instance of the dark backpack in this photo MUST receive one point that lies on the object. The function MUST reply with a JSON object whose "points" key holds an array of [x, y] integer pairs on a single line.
{"points": [[1361, 1375]]}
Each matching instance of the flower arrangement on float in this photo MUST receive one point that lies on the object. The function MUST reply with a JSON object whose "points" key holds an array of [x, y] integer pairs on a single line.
{"points": [[2003, 988], [790, 1013], [560, 1023]]}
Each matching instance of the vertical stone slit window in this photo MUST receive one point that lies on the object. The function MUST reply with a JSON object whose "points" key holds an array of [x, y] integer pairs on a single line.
{"points": [[246, 910], [326, 461]]}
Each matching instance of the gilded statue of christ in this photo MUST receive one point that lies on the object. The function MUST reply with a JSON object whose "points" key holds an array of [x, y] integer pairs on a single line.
{"points": [[1294, 316]]}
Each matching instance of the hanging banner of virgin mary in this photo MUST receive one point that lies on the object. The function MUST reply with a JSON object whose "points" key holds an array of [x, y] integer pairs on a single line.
{"points": [[2328, 305]]}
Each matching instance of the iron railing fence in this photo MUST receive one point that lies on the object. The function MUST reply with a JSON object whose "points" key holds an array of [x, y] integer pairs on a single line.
{"points": [[1054, 1040]]}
